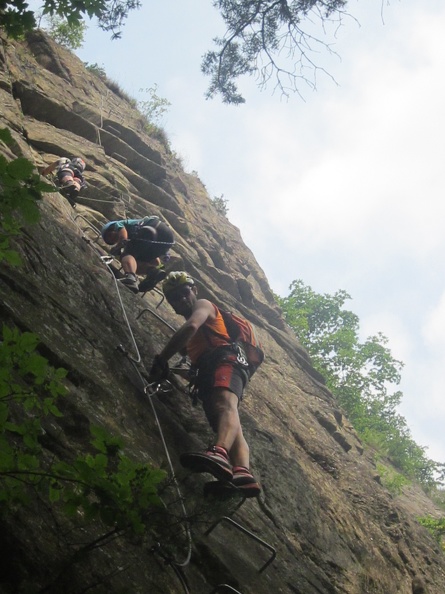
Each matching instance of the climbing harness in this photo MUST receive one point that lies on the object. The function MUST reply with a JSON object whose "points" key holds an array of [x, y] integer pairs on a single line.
{"points": [[150, 390]]}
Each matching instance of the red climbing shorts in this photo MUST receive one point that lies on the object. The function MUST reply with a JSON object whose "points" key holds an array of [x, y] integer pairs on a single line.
{"points": [[226, 375]]}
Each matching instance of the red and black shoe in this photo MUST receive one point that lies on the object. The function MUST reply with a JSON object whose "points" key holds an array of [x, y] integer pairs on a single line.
{"points": [[215, 461], [245, 482]]}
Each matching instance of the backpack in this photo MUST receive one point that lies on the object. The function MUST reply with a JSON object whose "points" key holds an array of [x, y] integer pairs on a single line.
{"points": [[243, 335]]}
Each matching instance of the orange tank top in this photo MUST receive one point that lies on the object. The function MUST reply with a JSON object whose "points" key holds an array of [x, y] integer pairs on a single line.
{"points": [[204, 341]]}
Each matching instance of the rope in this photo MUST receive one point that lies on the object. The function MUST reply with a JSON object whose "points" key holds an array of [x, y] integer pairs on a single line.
{"points": [[147, 391], [153, 241], [107, 264]]}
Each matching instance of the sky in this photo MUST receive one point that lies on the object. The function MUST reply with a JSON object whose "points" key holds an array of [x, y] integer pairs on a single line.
{"points": [[342, 187]]}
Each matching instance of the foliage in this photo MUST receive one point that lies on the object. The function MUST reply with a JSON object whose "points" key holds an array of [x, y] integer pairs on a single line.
{"points": [[158, 133], [20, 189], [119, 91], [111, 14], [69, 35], [436, 527], [360, 375], [15, 17], [220, 204], [274, 41], [152, 109], [437, 494], [29, 388], [105, 485], [259, 34], [97, 70], [392, 480], [155, 106]]}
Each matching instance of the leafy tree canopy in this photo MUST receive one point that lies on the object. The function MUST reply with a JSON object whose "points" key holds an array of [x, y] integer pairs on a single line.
{"points": [[266, 39], [276, 41], [69, 35], [16, 18], [361, 375]]}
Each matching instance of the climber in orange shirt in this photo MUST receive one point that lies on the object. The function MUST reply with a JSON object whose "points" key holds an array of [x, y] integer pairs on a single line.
{"points": [[220, 378]]}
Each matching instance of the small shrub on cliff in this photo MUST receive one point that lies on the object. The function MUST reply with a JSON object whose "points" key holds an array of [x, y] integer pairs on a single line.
{"points": [[393, 481], [159, 134], [119, 91], [152, 110], [97, 70], [220, 203], [155, 106], [436, 527], [69, 35]]}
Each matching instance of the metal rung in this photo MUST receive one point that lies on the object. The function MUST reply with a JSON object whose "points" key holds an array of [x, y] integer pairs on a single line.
{"points": [[90, 225], [158, 291], [250, 535], [107, 259], [160, 318]]}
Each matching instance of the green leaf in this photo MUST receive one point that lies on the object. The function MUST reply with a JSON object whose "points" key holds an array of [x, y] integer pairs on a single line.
{"points": [[54, 495], [5, 136], [11, 257], [20, 168]]}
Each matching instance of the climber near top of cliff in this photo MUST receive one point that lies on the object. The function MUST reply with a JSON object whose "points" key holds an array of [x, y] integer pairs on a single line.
{"points": [[219, 378], [69, 175], [142, 245]]}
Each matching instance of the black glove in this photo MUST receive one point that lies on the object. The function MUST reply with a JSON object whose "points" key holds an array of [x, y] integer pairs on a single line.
{"points": [[159, 369]]}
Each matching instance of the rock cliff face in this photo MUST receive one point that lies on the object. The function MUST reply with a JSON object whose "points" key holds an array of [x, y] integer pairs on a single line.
{"points": [[335, 529]]}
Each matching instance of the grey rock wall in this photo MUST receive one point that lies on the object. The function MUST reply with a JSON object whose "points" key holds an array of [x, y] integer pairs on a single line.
{"points": [[335, 529]]}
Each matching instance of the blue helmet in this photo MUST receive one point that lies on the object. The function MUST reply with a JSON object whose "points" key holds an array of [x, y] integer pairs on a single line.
{"points": [[106, 227]]}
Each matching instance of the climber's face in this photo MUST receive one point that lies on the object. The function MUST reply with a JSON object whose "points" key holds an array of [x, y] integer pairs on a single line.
{"points": [[182, 300]]}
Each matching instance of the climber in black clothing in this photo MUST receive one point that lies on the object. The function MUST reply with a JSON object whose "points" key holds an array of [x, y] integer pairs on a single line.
{"points": [[142, 245]]}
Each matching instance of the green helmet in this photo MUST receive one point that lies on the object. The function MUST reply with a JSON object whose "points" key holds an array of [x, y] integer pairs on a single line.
{"points": [[175, 280]]}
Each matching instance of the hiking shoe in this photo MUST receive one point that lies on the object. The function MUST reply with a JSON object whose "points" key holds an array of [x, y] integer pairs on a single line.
{"points": [[215, 461], [245, 482], [152, 279], [70, 193], [131, 282], [222, 490]]}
